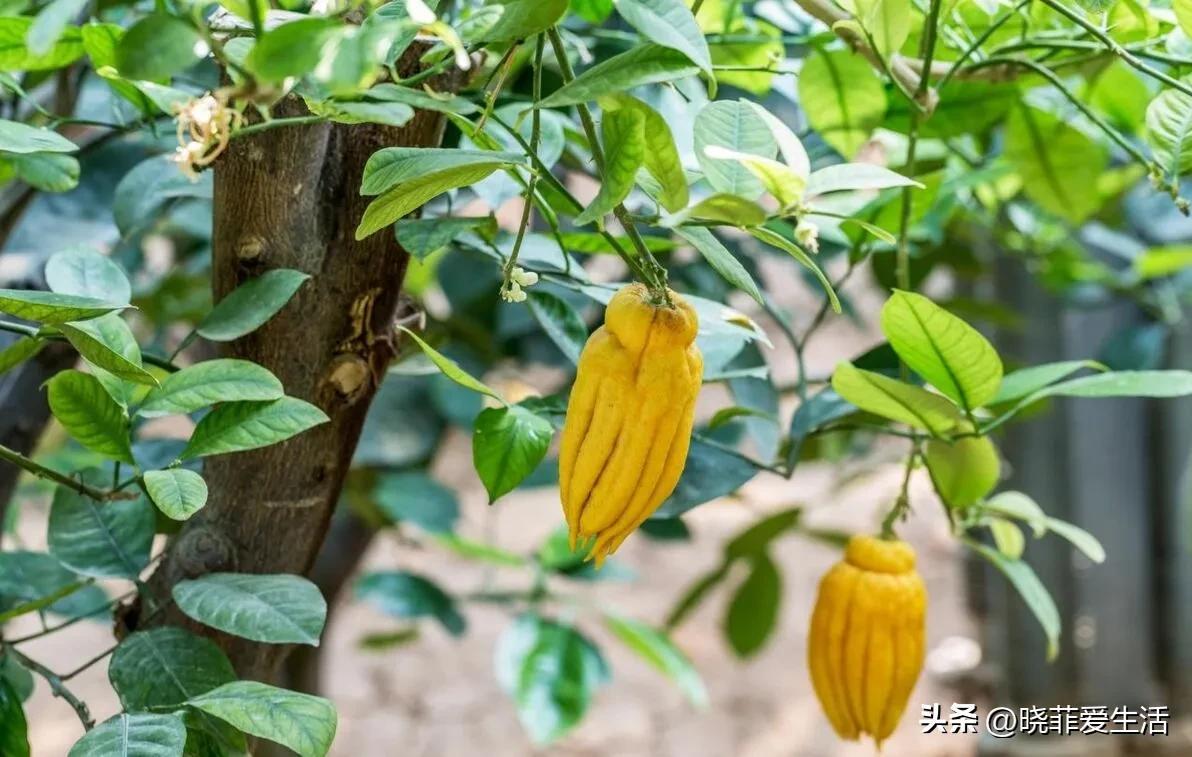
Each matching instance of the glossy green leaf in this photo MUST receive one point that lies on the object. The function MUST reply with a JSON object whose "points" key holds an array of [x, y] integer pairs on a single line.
{"points": [[304, 723], [644, 64], [415, 497], [1027, 381], [17, 137], [896, 400], [1032, 591], [1079, 538], [668, 23], [1163, 261], [363, 112], [721, 260], [29, 577], [87, 273], [451, 369], [14, 730], [108, 343], [560, 323], [1169, 131], [522, 19], [720, 209], [407, 197], [656, 648], [419, 99], [948, 353], [240, 426], [623, 133], [275, 609], [1161, 384], [844, 177], [49, 172], [211, 382], [89, 414], [15, 54], [294, 48], [1059, 164], [963, 471], [756, 539], [1007, 537], [157, 47], [50, 24], [136, 735], [406, 595], [150, 186], [888, 23], [392, 166], [753, 611], [507, 445], [774, 239], [738, 128], [177, 492], [661, 158], [251, 305], [551, 671], [101, 539], [18, 352], [164, 667], [423, 236], [843, 98], [52, 308]]}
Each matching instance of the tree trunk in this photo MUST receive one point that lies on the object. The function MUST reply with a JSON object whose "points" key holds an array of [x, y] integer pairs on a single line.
{"points": [[290, 198]]}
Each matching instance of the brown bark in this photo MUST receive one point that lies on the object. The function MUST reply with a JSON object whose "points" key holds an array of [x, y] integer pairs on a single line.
{"points": [[289, 198]]}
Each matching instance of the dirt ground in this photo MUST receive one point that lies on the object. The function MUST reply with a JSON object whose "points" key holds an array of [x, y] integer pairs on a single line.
{"points": [[439, 697]]}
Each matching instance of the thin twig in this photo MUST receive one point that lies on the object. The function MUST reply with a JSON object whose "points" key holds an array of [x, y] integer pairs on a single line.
{"points": [[56, 686], [49, 474]]}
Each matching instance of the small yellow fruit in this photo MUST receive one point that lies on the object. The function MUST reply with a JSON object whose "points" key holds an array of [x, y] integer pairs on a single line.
{"points": [[629, 417], [865, 648]]}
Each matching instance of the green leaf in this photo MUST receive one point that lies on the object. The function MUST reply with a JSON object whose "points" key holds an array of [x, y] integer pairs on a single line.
{"points": [[148, 187], [392, 166], [720, 209], [738, 128], [177, 492], [240, 426], [14, 735], [623, 133], [551, 671], [419, 99], [1008, 538], [887, 21], [644, 64], [407, 197], [560, 322], [721, 260], [694, 596], [1163, 261], [1059, 165], [87, 273], [507, 446], [100, 539], [18, 352], [451, 369], [1183, 15], [775, 239], [50, 24], [843, 98], [755, 540], [479, 551], [16, 56], [108, 343], [294, 48], [353, 112], [669, 23], [1169, 131], [89, 414], [157, 47], [948, 353], [522, 19], [1020, 507], [137, 735], [415, 497], [209, 383], [49, 172], [406, 595], [896, 400], [846, 177], [659, 651], [1160, 384], [753, 612], [1079, 538], [275, 609], [250, 305], [52, 308], [301, 722], [16, 137], [29, 577], [423, 236], [1032, 591], [963, 471], [779, 180], [164, 667], [661, 159], [1027, 381]]}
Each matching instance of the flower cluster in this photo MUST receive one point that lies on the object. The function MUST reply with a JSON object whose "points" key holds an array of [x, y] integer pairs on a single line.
{"points": [[204, 129], [511, 290]]}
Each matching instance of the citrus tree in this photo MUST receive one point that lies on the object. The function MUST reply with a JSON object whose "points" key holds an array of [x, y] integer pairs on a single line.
{"points": [[391, 203]]}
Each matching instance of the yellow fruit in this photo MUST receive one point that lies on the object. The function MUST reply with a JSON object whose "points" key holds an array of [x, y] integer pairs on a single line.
{"points": [[629, 418], [865, 648]]}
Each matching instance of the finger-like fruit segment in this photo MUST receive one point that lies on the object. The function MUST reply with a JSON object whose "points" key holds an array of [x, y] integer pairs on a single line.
{"points": [[866, 642], [629, 418]]}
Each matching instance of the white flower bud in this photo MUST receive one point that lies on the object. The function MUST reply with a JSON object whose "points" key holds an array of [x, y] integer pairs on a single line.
{"points": [[524, 277], [419, 12], [807, 234]]}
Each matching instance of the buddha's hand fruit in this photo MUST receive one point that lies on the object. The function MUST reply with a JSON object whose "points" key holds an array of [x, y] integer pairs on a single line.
{"points": [[865, 648], [629, 418]]}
